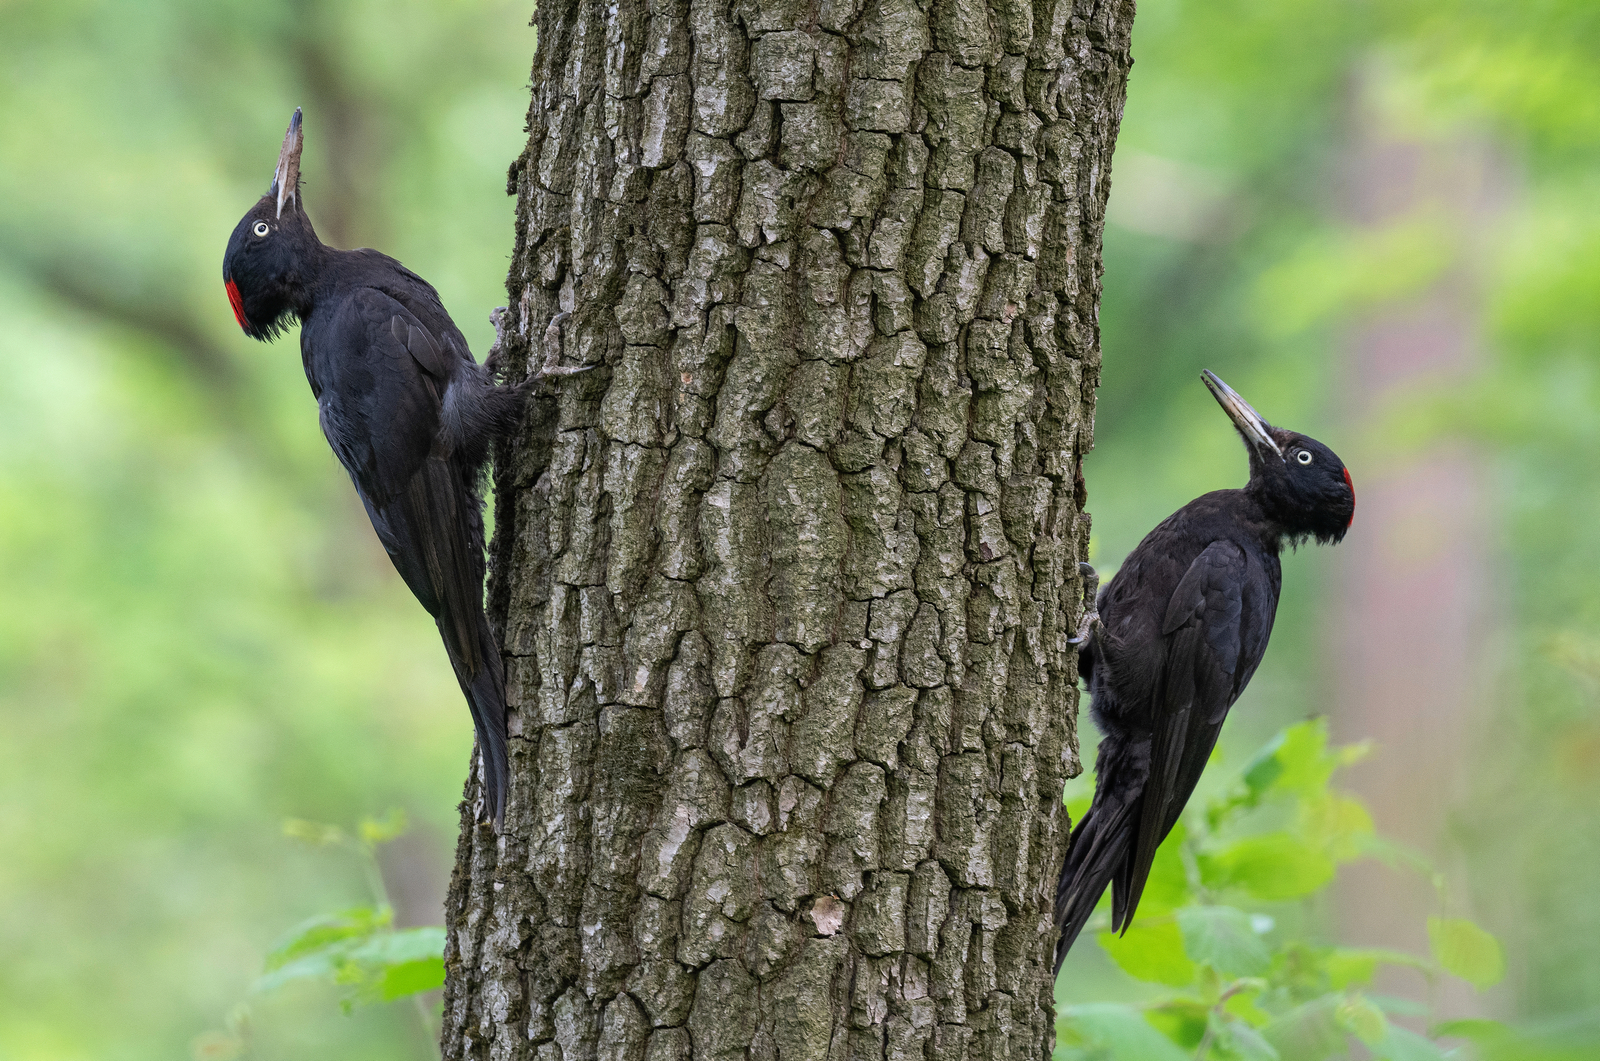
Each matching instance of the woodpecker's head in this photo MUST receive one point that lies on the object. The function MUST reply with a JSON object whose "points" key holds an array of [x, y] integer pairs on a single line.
{"points": [[1303, 484], [272, 249]]}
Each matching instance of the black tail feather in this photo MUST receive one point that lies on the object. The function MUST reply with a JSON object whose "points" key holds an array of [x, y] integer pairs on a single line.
{"points": [[1101, 849], [1097, 853], [486, 697]]}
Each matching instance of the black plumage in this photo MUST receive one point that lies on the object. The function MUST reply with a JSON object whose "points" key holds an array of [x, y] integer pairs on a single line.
{"points": [[1171, 643], [408, 411]]}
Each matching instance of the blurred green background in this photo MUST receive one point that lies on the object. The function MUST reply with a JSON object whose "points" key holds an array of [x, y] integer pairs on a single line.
{"points": [[199, 634], [1375, 220]]}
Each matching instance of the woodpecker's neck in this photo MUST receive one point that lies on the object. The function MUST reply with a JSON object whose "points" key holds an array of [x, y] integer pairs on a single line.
{"points": [[1274, 518], [308, 267]]}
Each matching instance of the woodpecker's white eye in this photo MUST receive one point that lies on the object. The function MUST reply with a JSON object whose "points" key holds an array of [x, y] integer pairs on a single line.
{"points": [[1304, 456], [261, 228]]}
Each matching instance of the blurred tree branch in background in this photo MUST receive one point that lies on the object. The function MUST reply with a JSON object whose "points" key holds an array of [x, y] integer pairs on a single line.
{"points": [[115, 300]]}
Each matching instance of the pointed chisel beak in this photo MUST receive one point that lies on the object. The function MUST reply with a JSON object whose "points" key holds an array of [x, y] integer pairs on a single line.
{"points": [[1256, 431], [286, 177]]}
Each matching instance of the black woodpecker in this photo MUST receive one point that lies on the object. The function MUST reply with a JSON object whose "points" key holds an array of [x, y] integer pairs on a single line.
{"points": [[408, 411], [1172, 641]]}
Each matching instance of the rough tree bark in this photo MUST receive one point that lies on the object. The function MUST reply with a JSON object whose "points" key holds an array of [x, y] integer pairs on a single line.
{"points": [[785, 584]]}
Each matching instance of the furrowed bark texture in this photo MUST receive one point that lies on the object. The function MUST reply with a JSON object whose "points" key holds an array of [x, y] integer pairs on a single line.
{"points": [[785, 582]]}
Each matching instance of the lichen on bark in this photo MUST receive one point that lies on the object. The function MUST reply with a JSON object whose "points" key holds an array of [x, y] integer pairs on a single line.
{"points": [[785, 583]]}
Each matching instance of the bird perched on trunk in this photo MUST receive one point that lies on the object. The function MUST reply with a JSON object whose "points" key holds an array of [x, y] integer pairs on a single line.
{"points": [[1172, 642], [407, 410]]}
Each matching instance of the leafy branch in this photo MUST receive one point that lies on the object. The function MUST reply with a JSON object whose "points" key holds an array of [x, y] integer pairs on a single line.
{"points": [[358, 950], [1244, 991]]}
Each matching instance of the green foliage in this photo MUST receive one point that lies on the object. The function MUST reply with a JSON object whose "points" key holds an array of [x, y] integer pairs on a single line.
{"points": [[1103, 1030], [1269, 867], [1465, 950], [1226, 939], [1248, 990], [358, 950]]}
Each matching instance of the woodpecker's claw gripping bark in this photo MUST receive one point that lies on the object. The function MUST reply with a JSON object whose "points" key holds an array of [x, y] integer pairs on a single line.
{"points": [[552, 343], [1091, 618], [496, 355]]}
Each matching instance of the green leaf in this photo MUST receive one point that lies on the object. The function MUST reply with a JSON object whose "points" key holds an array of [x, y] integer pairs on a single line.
{"points": [[1479, 1031], [1296, 762], [411, 978], [1167, 887], [1264, 768], [1361, 1018], [405, 945], [375, 831], [1339, 824], [1183, 1020], [1242, 1003], [1122, 1032], [1403, 1045], [1304, 763], [1350, 966], [1308, 1032], [328, 930], [1225, 938], [1272, 867], [1208, 984], [1246, 1043], [1152, 951], [321, 966], [395, 964], [1257, 778], [1465, 950]]}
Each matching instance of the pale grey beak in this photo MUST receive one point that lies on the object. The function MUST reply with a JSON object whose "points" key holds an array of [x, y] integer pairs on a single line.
{"points": [[1247, 420], [286, 178]]}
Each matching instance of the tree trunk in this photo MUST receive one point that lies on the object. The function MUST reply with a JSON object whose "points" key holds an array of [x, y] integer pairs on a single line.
{"points": [[785, 583]]}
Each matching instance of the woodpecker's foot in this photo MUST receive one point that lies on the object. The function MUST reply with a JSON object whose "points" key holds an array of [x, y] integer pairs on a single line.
{"points": [[1091, 584], [496, 356], [1091, 616], [552, 346]]}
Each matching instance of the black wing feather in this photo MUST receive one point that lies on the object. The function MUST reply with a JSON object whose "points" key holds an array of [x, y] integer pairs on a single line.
{"points": [[431, 356], [381, 377], [1204, 634]]}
